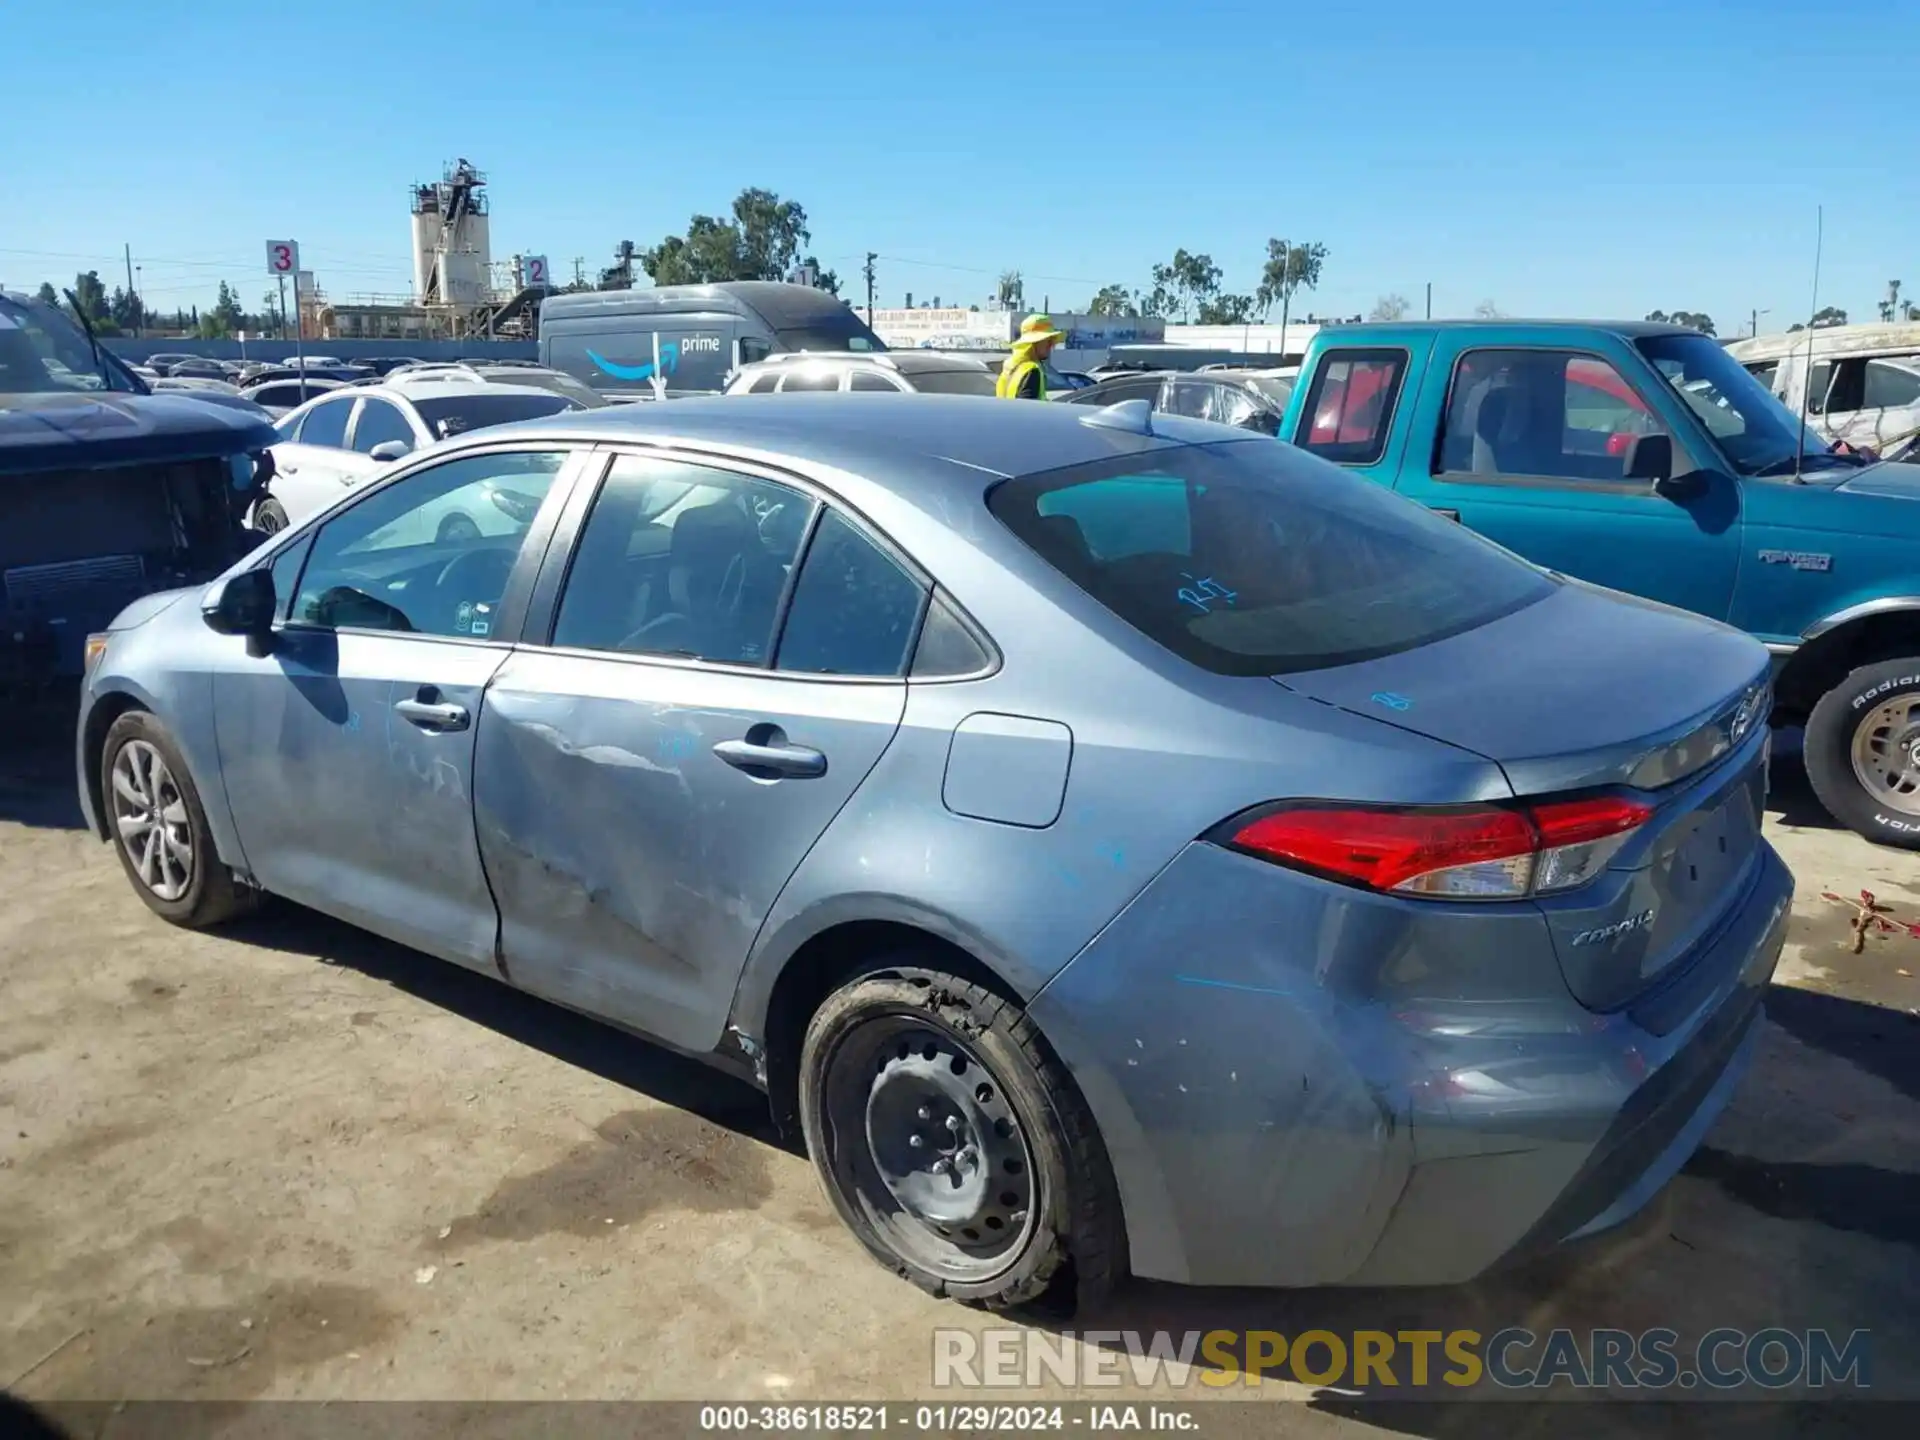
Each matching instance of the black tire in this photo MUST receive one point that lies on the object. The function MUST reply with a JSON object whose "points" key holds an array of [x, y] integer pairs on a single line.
{"points": [[270, 517], [1857, 709], [1055, 1225], [208, 895]]}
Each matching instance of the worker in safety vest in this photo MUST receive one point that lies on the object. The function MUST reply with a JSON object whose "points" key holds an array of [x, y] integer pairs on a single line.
{"points": [[1024, 376]]}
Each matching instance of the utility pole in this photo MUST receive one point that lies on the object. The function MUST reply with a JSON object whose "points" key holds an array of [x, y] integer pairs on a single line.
{"points": [[868, 270], [579, 270], [127, 251], [1429, 299]]}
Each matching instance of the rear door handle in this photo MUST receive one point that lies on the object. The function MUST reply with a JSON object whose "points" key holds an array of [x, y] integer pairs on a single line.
{"points": [[1446, 514], [774, 759], [429, 715]]}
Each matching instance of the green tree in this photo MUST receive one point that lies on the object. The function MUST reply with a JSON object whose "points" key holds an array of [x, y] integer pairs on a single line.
{"points": [[1829, 315], [127, 310], [1289, 269], [1112, 300], [1890, 308], [1160, 300], [92, 296], [1389, 307], [226, 309], [763, 240], [1010, 291], [46, 294], [1226, 310], [1693, 319], [1196, 281]]}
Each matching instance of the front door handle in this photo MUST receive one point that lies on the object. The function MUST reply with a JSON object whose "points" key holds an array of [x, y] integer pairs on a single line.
{"points": [[430, 715], [772, 758]]}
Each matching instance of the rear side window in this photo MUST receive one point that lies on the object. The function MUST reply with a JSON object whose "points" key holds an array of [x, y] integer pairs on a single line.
{"points": [[811, 380], [854, 610], [869, 380], [954, 382], [1249, 559], [764, 384], [1351, 404]]}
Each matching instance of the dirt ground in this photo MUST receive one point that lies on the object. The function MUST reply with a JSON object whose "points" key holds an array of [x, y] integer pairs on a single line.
{"points": [[292, 1160]]}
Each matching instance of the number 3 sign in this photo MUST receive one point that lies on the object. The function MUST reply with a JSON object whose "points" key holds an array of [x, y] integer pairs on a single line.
{"points": [[283, 257]]}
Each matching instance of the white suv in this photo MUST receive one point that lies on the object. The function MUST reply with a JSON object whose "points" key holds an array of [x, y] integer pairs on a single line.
{"points": [[928, 372]]}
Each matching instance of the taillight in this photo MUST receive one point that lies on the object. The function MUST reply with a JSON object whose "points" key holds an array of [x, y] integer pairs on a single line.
{"points": [[1478, 852]]}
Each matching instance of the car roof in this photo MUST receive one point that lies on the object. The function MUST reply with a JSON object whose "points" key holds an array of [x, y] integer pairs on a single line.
{"points": [[905, 362], [1385, 329], [417, 390], [925, 443]]}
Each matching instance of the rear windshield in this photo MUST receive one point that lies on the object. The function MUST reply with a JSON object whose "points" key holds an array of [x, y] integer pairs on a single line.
{"points": [[1251, 558], [457, 414], [951, 382]]}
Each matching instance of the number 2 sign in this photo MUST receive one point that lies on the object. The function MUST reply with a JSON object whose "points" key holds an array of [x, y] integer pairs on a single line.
{"points": [[536, 270], [283, 257]]}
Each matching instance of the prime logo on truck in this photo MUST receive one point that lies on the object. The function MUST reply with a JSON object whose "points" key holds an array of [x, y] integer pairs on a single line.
{"points": [[686, 339]]}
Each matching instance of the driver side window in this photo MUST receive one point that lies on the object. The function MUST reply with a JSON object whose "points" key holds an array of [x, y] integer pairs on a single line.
{"points": [[430, 554]]}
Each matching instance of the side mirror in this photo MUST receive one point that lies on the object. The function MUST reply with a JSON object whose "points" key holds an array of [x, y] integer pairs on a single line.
{"points": [[389, 450], [1649, 458], [243, 605]]}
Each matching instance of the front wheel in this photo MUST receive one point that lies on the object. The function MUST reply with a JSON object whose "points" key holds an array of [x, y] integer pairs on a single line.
{"points": [[159, 828], [955, 1145], [1862, 752]]}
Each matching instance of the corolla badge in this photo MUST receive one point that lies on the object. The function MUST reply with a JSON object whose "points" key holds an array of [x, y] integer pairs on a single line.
{"points": [[1620, 927]]}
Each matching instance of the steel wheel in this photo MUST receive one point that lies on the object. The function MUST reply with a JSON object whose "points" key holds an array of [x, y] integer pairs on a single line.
{"points": [[940, 1162], [150, 813], [1886, 753]]}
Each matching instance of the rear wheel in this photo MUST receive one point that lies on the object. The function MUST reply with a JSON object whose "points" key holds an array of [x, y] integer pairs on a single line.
{"points": [[1862, 752], [159, 828], [954, 1144]]}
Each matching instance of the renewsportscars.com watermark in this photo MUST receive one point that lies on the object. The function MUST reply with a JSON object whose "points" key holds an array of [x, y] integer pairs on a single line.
{"points": [[1512, 1359]]}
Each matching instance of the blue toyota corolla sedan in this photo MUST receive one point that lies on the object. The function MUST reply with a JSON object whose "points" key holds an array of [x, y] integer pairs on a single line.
{"points": [[1116, 843]]}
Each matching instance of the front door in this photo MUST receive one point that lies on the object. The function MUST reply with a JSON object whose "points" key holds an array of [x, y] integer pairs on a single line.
{"points": [[347, 748], [647, 784], [1532, 449]]}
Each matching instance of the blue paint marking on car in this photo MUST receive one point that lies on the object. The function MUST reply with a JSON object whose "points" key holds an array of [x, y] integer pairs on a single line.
{"points": [[1194, 951], [669, 362], [1390, 700]]}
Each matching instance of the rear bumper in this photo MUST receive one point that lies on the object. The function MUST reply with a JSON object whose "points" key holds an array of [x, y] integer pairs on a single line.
{"points": [[1285, 1106]]}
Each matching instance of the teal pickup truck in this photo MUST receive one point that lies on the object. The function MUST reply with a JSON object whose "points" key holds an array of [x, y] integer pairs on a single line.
{"points": [[1642, 457]]}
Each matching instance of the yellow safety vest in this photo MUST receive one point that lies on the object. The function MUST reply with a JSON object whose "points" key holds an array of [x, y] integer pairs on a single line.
{"points": [[1014, 373]]}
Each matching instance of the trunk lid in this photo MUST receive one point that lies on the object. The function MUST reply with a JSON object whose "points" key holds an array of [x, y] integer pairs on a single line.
{"points": [[1592, 689]]}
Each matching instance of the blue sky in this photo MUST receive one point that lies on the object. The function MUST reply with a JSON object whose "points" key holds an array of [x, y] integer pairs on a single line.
{"points": [[1558, 158]]}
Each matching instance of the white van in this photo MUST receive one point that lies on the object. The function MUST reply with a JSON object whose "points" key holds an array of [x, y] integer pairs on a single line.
{"points": [[1861, 382]]}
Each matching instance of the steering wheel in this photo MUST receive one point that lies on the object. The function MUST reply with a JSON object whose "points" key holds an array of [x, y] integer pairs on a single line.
{"points": [[479, 573]]}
